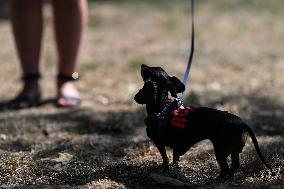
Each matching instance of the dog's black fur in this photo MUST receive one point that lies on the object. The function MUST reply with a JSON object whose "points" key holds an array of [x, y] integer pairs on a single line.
{"points": [[226, 131]]}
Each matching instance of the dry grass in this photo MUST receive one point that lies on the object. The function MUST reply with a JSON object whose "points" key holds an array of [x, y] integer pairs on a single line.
{"points": [[238, 66]]}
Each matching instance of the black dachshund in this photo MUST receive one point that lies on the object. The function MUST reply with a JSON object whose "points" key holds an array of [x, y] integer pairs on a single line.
{"points": [[166, 125]]}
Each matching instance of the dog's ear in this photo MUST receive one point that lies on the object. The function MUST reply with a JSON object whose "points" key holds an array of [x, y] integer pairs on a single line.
{"points": [[146, 94], [175, 86]]}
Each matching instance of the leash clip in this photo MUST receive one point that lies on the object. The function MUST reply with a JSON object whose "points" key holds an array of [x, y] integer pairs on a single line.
{"points": [[179, 103]]}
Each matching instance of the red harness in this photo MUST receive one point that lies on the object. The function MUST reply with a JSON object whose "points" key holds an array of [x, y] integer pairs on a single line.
{"points": [[180, 116]]}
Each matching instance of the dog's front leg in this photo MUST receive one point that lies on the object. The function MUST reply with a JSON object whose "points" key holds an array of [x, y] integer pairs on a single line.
{"points": [[175, 158], [163, 153]]}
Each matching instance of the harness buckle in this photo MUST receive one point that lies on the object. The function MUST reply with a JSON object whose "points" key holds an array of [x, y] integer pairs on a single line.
{"points": [[179, 103]]}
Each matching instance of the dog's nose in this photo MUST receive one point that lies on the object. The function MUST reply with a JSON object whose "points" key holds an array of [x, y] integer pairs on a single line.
{"points": [[144, 66]]}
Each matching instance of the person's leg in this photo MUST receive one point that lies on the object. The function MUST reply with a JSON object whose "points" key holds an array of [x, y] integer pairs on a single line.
{"points": [[70, 18], [26, 18]]}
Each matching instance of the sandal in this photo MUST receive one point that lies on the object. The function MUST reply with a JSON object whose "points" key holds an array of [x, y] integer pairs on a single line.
{"points": [[67, 100], [23, 101]]}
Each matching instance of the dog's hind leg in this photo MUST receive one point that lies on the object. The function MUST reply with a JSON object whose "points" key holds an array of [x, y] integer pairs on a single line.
{"points": [[221, 158], [235, 162], [223, 166]]}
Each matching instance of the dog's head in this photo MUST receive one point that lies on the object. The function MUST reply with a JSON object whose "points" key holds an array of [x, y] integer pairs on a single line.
{"points": [[155, 80]]}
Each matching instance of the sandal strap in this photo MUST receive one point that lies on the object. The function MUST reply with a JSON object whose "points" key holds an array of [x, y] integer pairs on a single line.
{"points": [[66, 78], [76, 101], [31, 77]]}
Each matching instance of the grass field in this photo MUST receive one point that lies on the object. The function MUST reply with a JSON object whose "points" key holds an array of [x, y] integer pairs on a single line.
{"points": [[238, 66]]}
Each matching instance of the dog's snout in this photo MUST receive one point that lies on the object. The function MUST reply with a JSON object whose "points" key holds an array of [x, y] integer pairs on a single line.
{"points": [[145, 72], [143, 66]]}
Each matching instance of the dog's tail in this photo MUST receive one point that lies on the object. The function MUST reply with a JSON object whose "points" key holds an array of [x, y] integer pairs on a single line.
{"points": [[254, 140]]}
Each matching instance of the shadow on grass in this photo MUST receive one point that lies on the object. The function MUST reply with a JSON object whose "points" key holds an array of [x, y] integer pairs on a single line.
{"points": [[100, 141], [132, 174], [109, 133], [137, 175]]}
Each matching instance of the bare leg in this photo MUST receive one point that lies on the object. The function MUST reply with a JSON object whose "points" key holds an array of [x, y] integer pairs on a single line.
{"points": [[69, 19], [26, 18]]}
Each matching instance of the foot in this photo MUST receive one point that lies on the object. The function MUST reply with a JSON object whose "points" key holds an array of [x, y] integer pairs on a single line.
{"points": [[68, 95], [29, 96]]}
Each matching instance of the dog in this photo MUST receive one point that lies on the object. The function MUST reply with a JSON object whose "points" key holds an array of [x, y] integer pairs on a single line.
{"points": [[226, 131]]}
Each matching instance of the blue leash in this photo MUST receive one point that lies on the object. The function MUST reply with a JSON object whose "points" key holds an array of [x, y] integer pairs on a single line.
{"points": [[186, 74]]}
